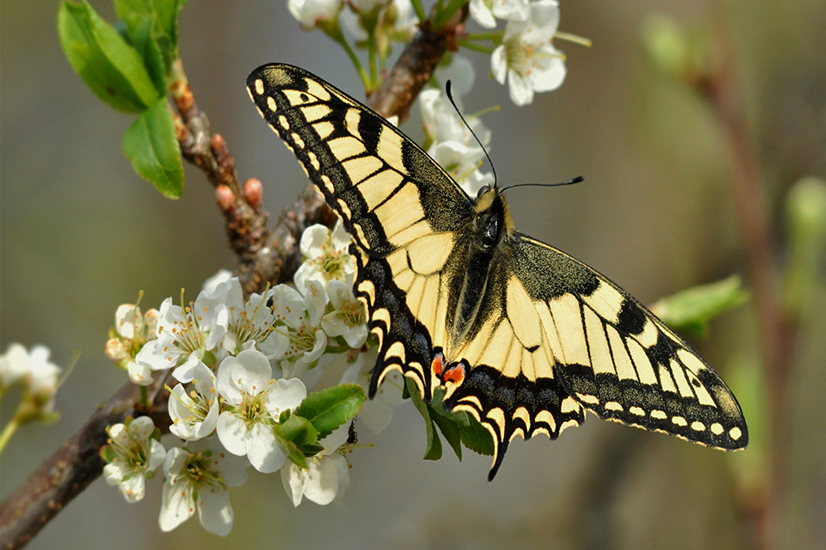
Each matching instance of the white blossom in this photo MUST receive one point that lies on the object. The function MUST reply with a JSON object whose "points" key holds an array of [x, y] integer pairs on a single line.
{"points": [[327, 475], [299, 320], [133, 330], [312, 13], [375, 413], [211, 284], [33, 369], [194, 415], [326, 256], [405, 20], [453, 146], [349, 316], [249, 323], [461, 74], [253, 402], [526, 56], [133, 454], [485, 12], [197, 478], [184, 335]]}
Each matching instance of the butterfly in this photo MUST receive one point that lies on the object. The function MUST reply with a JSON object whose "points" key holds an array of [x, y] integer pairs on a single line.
{"points": [[518, 334]]}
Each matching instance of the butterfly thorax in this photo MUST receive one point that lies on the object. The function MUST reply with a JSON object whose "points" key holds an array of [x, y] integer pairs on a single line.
{"points": [[488, 231]]}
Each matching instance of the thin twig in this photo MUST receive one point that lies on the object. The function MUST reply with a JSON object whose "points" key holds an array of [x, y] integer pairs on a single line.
{"points": [[776, 333]]}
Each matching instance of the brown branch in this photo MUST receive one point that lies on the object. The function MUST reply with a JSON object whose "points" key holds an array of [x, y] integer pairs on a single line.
{"points": [[73, 467], [246, 222], [414, 68], [264, 257]]}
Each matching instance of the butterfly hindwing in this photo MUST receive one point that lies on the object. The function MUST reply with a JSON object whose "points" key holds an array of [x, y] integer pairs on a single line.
{"points": [[620, 361]]}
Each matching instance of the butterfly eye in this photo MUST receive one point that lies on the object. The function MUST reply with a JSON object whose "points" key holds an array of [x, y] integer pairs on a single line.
{"points": [[483, 190]]}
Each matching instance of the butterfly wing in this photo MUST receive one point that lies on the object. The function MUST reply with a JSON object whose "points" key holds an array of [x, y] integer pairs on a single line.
{"points": [[571, 331], [403, 211]]}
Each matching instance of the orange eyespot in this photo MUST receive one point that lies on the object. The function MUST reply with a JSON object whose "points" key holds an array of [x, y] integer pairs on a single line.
{"points": [[455, 374], [436, 366]]}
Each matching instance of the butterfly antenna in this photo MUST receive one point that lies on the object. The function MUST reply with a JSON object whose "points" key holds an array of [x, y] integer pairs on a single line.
{"points": [[458, 112], [560, 184]]}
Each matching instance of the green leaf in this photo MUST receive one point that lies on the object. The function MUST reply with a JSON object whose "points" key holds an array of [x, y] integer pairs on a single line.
{"points": [[299, 430], [112, 69], [108, 454], [476, 437], [151, 145], [471, 433], [147, 46], [434, 444], [291, 450], [690, 310], [328, 409], [451, 432], [164, 15]]}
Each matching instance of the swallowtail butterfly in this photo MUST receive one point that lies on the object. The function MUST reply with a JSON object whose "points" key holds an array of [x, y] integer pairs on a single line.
{"points": [[519, 334]]}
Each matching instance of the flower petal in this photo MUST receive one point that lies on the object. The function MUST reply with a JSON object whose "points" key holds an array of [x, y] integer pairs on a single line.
{"points": [[322, 480], [215, 511], [285, 394], [178, 504], [232, 432], [294, 480], [262, 450]]}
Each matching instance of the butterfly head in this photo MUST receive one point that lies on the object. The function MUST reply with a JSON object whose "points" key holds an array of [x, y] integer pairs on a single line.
{"points": [[493, 219]]}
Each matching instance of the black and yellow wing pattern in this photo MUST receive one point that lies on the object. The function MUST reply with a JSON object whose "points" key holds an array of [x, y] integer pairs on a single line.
{"points": [[519, 334]]}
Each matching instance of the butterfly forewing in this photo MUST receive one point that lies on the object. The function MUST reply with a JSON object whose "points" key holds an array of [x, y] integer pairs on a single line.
{"points": [[369, 172], [401, 208]]}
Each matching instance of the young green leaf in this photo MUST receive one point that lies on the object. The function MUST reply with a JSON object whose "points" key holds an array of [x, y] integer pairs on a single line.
{"points": [[476, 437], [164, 15], [471, 433], [146, 45], [299, 430], [434, 444], [112, 69], [291, 450], [451, 432], [328, 409], [151, 145], [690, 310]]}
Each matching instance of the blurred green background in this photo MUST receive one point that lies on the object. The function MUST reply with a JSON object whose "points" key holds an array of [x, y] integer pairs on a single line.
{"points": [[82, 233]]}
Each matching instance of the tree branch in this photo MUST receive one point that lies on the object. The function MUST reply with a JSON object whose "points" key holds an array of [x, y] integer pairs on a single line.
{"points": [[74, 466]]}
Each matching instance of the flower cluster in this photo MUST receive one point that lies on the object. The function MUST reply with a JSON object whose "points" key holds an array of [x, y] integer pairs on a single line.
{"points": [[242, 369]]}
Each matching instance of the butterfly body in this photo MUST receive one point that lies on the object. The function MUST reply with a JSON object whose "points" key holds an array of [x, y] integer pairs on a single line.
{"points": [[520, 335]]}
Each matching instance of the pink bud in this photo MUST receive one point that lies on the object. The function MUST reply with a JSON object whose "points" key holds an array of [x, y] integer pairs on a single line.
{"points": [[253, 192], [225, 198]]}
